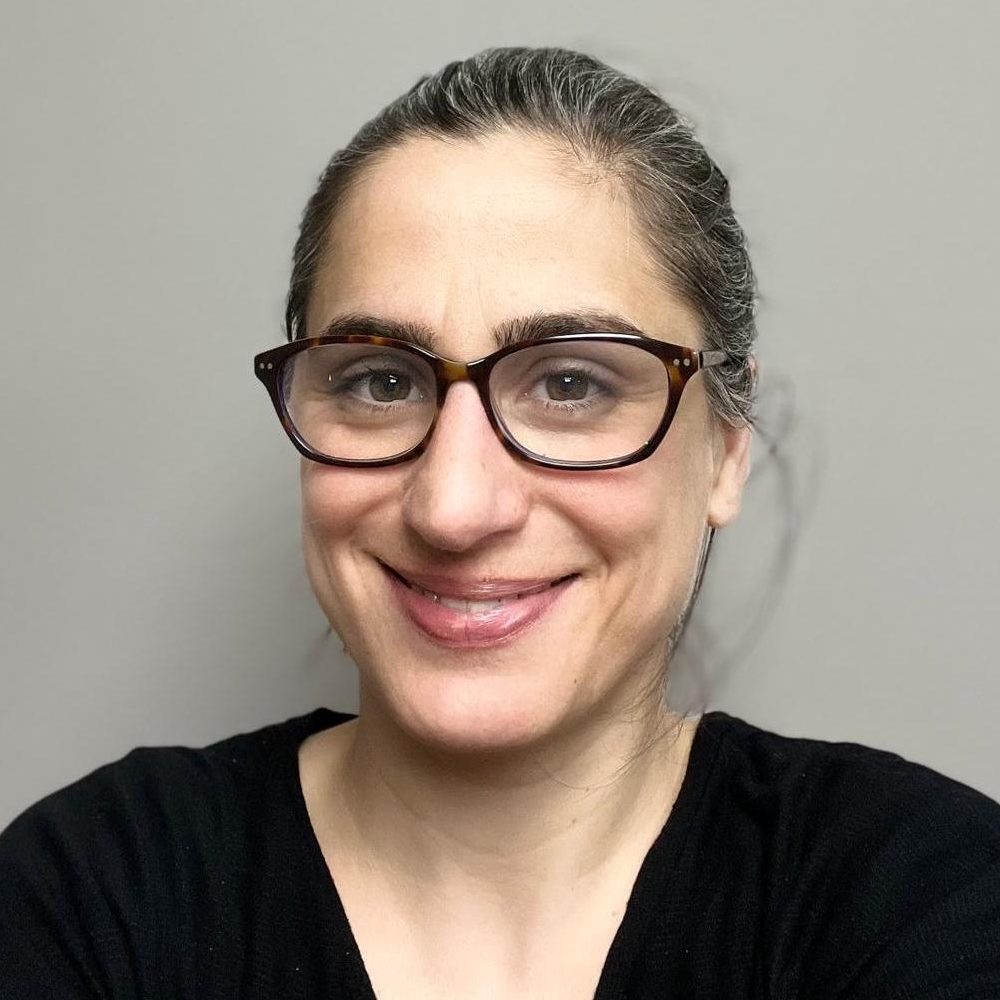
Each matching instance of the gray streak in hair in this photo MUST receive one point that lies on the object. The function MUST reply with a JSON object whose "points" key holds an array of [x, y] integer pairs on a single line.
{"points": [[610, 122]]}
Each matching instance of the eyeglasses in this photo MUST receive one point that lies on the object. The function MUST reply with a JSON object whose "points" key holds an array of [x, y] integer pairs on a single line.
{"points": [[572, 401]]}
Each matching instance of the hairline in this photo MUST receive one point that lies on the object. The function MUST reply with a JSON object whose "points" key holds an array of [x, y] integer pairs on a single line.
{"points": [[566, 158]]}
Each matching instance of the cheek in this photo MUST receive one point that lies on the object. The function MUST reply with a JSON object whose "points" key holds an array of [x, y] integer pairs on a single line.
{"points": [[323, 520], [647, 523], [338, 507], [664, 497], [333, 499]]}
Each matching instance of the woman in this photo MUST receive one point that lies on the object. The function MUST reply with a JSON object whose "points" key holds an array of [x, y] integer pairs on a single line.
{"points": [[519, 372]]}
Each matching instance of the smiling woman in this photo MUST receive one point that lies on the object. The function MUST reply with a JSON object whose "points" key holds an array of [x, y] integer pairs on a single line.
{"points": [[526, 249], [520, 377]]}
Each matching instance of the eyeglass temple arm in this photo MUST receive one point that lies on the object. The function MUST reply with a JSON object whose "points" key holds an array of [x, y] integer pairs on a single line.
{"points": [[706, 359]]}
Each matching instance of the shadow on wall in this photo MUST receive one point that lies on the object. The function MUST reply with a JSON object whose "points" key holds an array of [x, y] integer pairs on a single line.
{"points": [[753, 560]]}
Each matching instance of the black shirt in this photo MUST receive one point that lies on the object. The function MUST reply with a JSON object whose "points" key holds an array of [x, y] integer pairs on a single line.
{"points": [[789, 868]]}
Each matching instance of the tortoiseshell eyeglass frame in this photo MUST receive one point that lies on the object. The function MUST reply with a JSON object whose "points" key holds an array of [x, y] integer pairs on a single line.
{"points": [[680, 363]]}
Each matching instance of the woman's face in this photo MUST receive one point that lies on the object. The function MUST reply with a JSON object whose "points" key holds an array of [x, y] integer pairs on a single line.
{"points": [[462, 238]]}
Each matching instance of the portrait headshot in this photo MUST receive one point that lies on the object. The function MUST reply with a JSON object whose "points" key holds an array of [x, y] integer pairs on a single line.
{"points": [[498, 503]]}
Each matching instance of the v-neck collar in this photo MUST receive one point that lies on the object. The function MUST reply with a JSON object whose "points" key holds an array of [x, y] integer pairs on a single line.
{"points": [[652, 883]]}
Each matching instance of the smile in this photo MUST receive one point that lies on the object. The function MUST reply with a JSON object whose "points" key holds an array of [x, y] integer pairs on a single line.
{"points": [[470, 606], [472, 614]]}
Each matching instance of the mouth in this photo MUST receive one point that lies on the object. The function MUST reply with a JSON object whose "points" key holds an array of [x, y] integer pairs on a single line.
{"points": [[470, 614]]}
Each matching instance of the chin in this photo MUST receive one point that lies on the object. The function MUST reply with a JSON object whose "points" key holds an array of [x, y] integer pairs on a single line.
{"points": [[476, 713]]}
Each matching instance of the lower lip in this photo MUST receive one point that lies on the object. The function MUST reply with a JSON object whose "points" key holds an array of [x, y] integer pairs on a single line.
{"points": [[449, 627]]}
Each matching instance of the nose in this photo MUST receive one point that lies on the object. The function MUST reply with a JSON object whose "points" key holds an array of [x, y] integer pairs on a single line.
{"points": [[466, 487]]}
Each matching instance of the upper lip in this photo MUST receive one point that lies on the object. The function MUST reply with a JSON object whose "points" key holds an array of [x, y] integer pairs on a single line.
{"points": [[473, 588]]}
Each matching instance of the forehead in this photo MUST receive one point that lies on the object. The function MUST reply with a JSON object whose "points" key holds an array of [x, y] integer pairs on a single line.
{"points": [[465, 235]]}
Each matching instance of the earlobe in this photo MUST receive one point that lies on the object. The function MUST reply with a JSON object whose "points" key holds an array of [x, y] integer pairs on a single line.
{"points": [[731, 474]]}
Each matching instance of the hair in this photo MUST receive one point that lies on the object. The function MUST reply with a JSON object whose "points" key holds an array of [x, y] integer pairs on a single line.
{"points": [[612, 124]]}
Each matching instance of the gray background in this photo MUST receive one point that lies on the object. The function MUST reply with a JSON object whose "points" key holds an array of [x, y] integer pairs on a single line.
{"points": [[156, 158]]}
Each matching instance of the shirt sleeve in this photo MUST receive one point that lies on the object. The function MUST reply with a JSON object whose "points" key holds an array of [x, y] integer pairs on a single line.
{"points": [[910, 908], [70, 921]]}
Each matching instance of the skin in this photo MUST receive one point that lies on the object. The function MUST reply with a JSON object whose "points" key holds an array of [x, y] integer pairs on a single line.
{"points": [[491, 782]]}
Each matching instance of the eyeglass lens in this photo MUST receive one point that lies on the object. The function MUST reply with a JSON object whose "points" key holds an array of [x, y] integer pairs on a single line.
{"points": [[565, 401]]}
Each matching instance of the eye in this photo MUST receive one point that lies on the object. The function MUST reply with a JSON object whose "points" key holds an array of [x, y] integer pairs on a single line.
{"points": [[386, 386], [383, 381], [567, 385]]}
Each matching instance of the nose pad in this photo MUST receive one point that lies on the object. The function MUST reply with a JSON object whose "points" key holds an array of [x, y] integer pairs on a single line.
{"points": [[461, 431], [462, 489], [453, 373]]}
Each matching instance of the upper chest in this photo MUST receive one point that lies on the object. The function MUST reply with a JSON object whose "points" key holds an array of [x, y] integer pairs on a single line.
{"points": [[469, 943], [453, 952]]}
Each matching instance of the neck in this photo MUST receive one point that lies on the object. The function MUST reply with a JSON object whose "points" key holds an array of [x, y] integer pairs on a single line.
{"points": [[524, 824]]}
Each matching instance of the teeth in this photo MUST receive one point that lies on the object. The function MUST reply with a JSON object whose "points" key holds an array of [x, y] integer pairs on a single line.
{"points": [[471, 607], [475, 607]]}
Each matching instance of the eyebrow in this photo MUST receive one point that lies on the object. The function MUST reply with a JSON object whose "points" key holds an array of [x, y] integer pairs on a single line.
{"points": [[536, 326]]}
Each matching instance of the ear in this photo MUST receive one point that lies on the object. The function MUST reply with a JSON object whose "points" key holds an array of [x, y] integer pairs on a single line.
{"points": [[732, 466]]}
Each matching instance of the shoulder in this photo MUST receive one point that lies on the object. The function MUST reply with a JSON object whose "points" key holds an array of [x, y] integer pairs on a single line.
{"points": [[152, 785], [92, 874], [843, 786], [883, 874]]}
